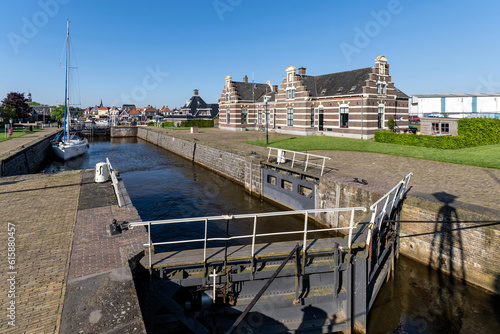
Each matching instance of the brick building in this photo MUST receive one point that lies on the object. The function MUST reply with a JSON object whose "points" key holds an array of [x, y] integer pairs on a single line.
{"points": [[351, 104], [242, 104]]}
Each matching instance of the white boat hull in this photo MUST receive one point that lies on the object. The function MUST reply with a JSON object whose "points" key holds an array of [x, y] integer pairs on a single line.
{"points": [[70, 150]]}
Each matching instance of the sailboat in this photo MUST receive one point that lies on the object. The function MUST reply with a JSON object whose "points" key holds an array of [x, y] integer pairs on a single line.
{"points": [[71, 145]]}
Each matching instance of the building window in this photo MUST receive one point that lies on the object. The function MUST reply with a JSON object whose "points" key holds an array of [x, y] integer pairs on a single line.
{"points": [[259, 116], [312, 117], [379, 86], [344, 117], [384, 86], [445, 128], [287, 94], [227, 116], [244, 115], [228, 97], [380, 117], [290, 93], [435, 128], [289, 116], [293, 93]]}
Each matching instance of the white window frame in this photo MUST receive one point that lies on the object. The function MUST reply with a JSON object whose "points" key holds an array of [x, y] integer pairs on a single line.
{"points": [[289, 116], [379, 119], [343, 110], [244, 111]]}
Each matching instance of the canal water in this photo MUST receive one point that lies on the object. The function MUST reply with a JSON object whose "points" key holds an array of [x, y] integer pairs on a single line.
{"points": [[165, 186]]}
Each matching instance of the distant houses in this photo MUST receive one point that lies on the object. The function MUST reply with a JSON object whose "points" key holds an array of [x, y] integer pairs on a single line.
{"points": [[351, 104]]}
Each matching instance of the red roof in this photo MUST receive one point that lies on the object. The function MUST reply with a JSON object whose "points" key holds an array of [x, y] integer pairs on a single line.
{"points": [[133, 112]]}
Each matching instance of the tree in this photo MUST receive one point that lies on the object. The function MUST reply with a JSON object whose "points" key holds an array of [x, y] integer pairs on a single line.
{"points": [[390, 123], [57, 113], [6, 114], [18, 102]]}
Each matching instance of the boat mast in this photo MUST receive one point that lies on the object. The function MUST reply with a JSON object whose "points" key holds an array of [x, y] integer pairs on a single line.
{"points": [[67, 116]]}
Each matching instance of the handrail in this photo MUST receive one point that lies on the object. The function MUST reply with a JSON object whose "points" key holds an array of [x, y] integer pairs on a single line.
{"points": [[389, 203], [114, 180], [307, 155], [254, 235]]}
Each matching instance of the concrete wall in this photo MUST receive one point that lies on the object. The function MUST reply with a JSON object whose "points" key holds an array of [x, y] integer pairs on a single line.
{"points": [[26, 160], [236, 165], [123, 131]]}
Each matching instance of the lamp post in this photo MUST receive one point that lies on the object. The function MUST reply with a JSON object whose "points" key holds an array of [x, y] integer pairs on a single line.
{"points": [[267, 125]]}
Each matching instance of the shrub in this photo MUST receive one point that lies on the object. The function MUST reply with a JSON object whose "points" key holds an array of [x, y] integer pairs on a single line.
{"points": [[471, 132], [201, 123], [390, 123]]}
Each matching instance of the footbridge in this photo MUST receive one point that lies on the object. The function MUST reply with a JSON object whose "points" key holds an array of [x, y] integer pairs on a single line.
{"points": [[246, 283]]}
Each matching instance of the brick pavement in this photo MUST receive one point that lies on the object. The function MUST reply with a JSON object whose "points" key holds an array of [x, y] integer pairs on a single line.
{"points": [[94, 251], [43, 209], [472, 185]]}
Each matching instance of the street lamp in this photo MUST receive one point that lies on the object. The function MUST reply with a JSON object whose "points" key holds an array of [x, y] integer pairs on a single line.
{"points": [[267, 122]]}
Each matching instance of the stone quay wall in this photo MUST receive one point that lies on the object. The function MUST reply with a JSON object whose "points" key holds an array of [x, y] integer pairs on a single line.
{"points": [[27, 159], [123, 131], [446, 240], [238, 166]]}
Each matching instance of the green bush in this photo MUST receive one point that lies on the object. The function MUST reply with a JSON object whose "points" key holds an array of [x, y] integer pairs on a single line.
{"points": [[201, 123], [150, 124], [471, 132]]}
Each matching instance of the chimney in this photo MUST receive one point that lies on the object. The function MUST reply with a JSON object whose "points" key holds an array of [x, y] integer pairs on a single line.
{"points": [[245, 79], [268, 89], [195, 92], [302, 71], [275, 88]]}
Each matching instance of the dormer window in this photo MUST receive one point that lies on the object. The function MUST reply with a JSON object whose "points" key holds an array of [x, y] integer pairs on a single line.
{"points": [[323, 92], [352, 89], [339, 90]]}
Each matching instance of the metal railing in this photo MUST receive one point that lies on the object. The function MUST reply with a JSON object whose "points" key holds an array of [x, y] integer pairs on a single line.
{"points": [[281, 158], [254, 235], [114, 180], [384, 206]]}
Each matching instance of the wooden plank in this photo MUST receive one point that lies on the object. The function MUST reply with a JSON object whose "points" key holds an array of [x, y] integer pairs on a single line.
{"points": [[239, 252]]}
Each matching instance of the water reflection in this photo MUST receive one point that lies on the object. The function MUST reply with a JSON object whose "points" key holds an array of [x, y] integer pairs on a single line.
{"points": [[422, 300]]}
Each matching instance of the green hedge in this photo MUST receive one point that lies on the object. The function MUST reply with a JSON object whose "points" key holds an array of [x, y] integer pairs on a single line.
{"points": [[201, 123], [471, 132]]}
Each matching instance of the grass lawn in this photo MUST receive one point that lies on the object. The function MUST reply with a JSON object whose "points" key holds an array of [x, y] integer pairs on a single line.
{"points": [[482, 156], [16, 133]]}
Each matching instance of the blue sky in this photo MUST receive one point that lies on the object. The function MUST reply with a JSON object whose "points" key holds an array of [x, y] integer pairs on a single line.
{"points": [[157, 52]]}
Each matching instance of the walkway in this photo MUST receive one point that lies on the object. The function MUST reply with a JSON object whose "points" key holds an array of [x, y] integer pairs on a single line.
{"points": [[43, 210], [472, 185], [15, 143]]}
